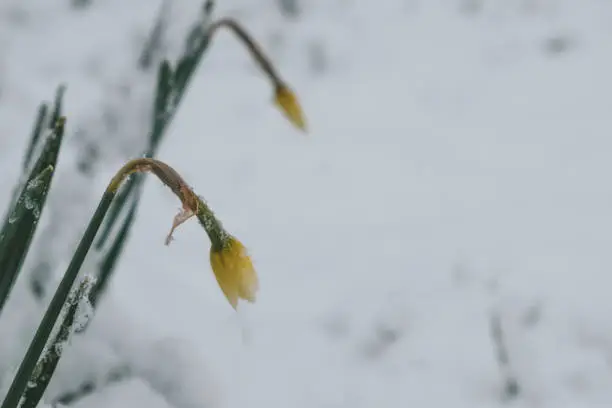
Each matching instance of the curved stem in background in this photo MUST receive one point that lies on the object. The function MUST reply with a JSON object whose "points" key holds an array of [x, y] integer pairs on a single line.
{"points": [[284, 98], [262, 60], [230, 262]]}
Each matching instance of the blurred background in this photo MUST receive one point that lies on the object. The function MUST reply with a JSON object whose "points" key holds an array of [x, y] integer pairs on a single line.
{"points": [[440, 236]]}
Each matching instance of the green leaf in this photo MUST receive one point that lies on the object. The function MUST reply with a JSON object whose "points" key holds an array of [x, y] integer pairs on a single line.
{"points": [[154, 42], [133, 186], [30, 361], [22, 220], [196, 44], [125, 193], [37, 132], [57, 106], [107, 266], [161, 112], [48, 363], [35, 137], [171, 87]]}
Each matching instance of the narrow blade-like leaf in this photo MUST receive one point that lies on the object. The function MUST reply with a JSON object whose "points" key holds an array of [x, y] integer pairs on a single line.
{"points": [[35, 137], [20, 225], [48, 362]]}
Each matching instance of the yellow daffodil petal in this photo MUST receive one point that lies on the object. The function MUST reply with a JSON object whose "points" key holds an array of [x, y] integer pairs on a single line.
{"points": [[234, 271], [288, 103]]}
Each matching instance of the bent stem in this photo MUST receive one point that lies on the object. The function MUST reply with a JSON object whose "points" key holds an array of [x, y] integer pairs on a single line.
{"points": [[192, 205], [262, 60], [284, 98]]}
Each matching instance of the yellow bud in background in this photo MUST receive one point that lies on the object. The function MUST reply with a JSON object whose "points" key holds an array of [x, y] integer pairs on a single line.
{"points": [[234, 271], [288, 103]]}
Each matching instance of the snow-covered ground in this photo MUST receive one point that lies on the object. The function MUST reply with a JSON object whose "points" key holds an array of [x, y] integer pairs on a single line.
{"points": [[457, 166]]}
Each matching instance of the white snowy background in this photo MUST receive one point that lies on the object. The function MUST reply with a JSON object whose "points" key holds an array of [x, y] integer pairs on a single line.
{"points": [[457, 166]]}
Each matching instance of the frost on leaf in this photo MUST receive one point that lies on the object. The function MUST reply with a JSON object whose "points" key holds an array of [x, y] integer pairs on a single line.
{"points": [[32, 205], [33, 184], [83, 304], [13, 218]]}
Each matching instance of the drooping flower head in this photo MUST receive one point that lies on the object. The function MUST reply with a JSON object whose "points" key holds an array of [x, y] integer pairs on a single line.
{"points": [[288, 103], [229, 259], [234, 271]]}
